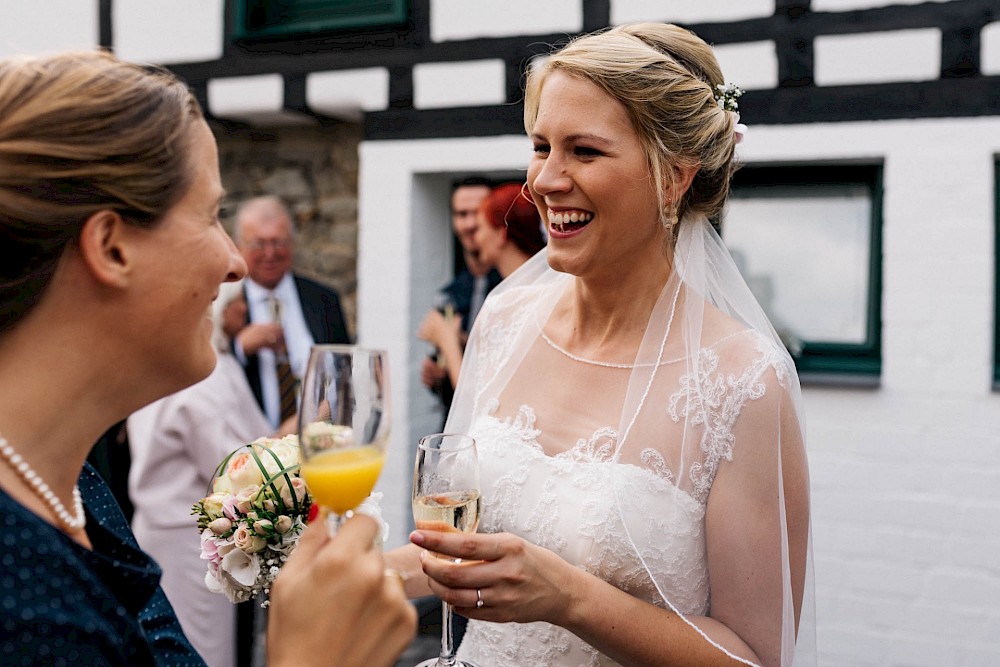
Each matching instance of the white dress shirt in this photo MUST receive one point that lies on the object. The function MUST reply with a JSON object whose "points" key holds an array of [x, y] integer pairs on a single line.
{"points": [[298, 340]]}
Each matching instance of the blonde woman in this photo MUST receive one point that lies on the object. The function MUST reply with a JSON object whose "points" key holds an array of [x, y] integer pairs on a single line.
{"points": [[645, 489]]}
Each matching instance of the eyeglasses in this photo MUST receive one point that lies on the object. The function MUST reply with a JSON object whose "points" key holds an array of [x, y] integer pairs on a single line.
{"points": [[258, 245]]}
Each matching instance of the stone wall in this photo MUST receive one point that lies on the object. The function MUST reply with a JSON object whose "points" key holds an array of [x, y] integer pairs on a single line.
{"points": [[315, 172]]}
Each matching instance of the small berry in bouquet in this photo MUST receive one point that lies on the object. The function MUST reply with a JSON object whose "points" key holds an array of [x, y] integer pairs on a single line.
{"points": [[252, 518]]}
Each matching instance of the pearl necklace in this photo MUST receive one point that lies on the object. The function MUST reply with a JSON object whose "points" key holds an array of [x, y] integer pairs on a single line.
{"points": [[609, 364], [70, 522]]}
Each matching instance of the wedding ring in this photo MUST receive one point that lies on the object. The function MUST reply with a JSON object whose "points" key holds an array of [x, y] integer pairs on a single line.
{"points": [[479, 598]]}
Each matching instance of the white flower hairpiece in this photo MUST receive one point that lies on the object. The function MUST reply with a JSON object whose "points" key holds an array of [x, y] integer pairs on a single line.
{"points": [[726, 96]]}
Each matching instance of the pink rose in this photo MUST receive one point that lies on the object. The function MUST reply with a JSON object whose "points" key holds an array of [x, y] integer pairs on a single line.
{"points": [[283, 524], [245, 498], [300, 489], [221, 526], [247, 542]]}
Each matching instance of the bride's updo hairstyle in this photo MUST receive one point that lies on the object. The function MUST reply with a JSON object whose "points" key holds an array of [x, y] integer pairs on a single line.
{"points": [[79, 133], [665, 77]]}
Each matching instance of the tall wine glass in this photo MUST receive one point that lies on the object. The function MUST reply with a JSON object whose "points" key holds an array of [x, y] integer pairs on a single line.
{"points": [[344, 424], [446, 497]]}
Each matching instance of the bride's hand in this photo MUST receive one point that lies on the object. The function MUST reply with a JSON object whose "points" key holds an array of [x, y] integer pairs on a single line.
{"points": [[516, 580]]}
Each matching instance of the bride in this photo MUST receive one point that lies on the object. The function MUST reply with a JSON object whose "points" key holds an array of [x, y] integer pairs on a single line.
{"points": [[645, 487]]}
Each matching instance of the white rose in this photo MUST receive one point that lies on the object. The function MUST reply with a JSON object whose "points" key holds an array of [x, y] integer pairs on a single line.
{"points": [[213, 504], [324, 435], [287, 452]]}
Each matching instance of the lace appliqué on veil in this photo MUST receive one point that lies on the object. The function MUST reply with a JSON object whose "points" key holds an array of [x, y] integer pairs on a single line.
{"points": [[714, 400]]}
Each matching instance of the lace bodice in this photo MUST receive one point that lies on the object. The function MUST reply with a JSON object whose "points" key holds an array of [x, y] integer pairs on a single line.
{"points": [[556, 471], [567, 503]]}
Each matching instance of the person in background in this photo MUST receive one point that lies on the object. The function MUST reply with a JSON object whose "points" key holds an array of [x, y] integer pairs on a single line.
{"points": [[176, 444], [639, 425], [463, 296], [508, 233], [109, 204], [287, 313]]}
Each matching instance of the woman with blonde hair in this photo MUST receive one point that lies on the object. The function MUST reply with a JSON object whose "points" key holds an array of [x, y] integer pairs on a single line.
{"points": [[109, 202], [639, 425]]}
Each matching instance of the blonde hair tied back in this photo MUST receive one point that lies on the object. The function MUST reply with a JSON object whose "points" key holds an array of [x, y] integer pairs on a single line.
{"points": [[665, 77]]}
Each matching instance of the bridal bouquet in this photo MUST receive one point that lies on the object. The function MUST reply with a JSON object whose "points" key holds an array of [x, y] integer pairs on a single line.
{"points": [[252, 519]]}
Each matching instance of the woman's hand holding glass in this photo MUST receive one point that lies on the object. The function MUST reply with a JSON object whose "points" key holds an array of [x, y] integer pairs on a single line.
{"points": [[332, 584], [515, 580], [446, 499]]}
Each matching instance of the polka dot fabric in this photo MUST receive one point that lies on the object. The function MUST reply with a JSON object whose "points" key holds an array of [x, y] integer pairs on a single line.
{"points": [[61, 604]]}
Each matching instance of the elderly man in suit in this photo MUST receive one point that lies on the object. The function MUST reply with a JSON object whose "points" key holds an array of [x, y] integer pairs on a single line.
{"points": [[287, 313]]}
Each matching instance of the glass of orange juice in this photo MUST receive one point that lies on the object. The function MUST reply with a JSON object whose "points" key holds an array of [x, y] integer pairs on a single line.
{"points": [[344, 421]]}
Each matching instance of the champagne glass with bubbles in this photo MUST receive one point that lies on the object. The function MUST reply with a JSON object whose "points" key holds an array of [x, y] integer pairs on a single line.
{"points": [[344, 424], [446, 497]]}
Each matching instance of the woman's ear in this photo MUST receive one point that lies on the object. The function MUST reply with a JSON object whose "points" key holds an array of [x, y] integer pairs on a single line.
{"points": [[105, 248], [683, 175]]}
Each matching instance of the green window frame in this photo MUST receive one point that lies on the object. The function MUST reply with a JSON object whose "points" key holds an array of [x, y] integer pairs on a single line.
{"points": [[285, 18], [996, 271], [849, 361]]}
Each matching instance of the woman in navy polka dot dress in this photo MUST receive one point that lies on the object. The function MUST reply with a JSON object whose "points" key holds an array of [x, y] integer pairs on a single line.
{"points": [[112, 255]]}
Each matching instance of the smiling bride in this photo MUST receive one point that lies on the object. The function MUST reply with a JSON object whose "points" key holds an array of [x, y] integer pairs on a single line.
{"points": [[645, 486]]}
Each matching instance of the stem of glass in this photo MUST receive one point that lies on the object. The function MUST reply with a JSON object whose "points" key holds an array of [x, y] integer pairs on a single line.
{"points": [[447, 657], [334, 520]]}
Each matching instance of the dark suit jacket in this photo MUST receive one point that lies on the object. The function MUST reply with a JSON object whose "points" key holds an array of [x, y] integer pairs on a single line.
{"points": [[459, 291], [325, 320]]}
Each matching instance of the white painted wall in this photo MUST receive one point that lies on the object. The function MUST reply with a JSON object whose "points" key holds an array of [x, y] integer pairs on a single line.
{"points": [[48, 26], [905, 477], [751, 65], [847, 5], [178, 31], [474, 83], [688, 11], [462, 19], [900, 55], [990, 48]]}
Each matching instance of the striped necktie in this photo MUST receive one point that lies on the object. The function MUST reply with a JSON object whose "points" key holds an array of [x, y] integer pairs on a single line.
{"points": [[287, 382]]}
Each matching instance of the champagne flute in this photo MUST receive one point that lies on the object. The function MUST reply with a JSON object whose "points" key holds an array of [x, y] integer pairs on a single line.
{"points": [[446, 497], [344, 424]]}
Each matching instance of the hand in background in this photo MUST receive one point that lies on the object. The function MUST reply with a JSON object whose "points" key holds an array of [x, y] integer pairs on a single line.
{"points": [[334, 603], [445, 333], [439, 330], [255, 337], [432, 374]]}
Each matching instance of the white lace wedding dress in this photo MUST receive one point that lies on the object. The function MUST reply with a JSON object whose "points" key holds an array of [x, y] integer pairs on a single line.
{"points": [[566, 503], [567, 490]]}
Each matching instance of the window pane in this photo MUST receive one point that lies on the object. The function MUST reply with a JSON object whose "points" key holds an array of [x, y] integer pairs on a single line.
{"points": [[805, 252]]}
